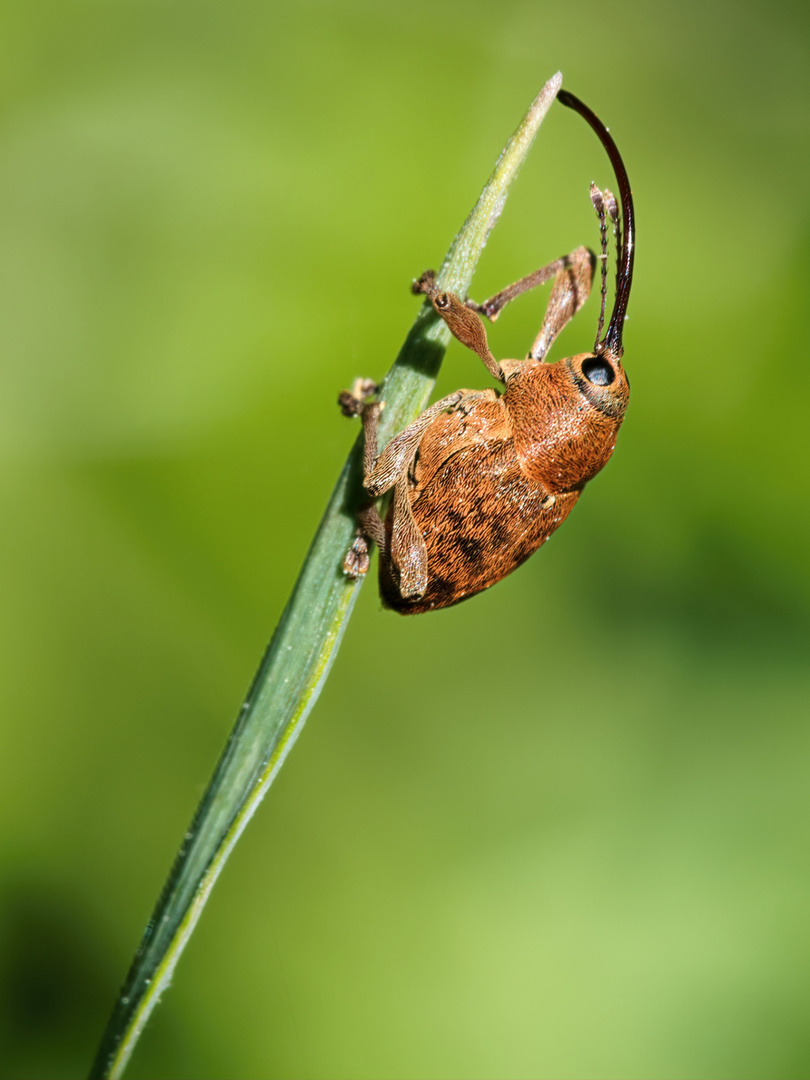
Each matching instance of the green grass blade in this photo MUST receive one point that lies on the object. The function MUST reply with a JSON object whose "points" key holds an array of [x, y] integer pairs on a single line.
{"points": [[304, 645]]}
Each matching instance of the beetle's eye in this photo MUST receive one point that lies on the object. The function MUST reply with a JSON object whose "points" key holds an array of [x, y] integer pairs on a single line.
{"points": [[598, 371]]}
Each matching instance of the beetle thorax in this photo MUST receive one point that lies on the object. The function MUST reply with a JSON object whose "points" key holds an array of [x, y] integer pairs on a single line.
{"points": [[564, 426]]}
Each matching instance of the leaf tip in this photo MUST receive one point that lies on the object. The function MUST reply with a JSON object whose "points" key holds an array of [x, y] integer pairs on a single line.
{"points": [[542, 102]]}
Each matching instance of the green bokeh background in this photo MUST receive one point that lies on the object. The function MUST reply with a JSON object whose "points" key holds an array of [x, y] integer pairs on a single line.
{"points": [[561, 830]]}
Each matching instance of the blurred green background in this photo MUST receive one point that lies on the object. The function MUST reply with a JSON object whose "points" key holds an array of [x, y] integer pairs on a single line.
{"points": [[560, 830]]}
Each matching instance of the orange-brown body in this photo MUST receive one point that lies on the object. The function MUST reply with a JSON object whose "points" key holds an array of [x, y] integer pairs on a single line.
{"points": [[492, 481]]}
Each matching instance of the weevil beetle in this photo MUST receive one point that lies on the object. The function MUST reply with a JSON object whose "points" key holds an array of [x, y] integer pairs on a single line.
{"points": [[482, 478]]}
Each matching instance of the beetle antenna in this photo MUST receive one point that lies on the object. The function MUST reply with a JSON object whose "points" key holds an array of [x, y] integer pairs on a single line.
{"points": [[626, 236], [612, 209], [598, 200]]}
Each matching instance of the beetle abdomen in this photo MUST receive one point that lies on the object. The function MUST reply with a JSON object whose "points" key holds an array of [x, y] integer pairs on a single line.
{"points": [[480, 518]]}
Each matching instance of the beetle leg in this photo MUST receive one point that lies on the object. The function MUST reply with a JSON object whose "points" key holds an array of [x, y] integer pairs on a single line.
{"points": [[494, 306], [370, 526], [399, 453], [464, 322], [390, 470], [572, 284], [355, 402], [351, 401], [408, 550], [371, 426]]}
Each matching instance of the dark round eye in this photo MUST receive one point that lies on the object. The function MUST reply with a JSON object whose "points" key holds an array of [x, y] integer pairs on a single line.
{"points": [[598, 371]]}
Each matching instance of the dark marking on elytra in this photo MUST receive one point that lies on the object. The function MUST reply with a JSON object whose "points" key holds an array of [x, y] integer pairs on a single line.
{"points": [[470, 548], [499, 533]]}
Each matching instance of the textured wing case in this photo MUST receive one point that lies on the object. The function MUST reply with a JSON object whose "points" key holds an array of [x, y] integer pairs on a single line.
{"points": [[479, 515]]}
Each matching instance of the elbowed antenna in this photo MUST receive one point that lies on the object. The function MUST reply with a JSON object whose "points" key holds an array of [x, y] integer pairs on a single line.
{"points": [[613, 338]]}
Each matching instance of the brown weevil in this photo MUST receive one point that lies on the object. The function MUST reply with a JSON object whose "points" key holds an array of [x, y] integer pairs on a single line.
{"points": [[482, 478]]}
